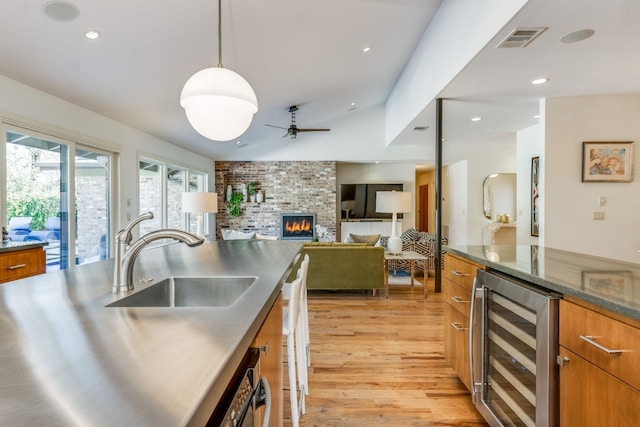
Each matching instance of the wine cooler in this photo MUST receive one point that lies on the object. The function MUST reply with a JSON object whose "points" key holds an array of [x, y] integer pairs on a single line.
{"points": [[513, 344]]}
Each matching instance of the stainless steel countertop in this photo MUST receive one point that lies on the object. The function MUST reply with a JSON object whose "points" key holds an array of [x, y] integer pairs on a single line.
{"points": [[67, 360], [608, 283], [9, 245]]}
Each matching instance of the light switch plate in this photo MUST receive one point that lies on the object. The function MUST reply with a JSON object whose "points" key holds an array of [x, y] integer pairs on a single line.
{"points": [[603, 201], [598, 215]]}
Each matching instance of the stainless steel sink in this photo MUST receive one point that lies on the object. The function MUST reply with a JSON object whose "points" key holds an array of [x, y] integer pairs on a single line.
{"points": [[189, 292]]}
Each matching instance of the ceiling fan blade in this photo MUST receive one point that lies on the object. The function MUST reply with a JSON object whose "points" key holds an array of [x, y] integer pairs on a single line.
{"points": [[313, 130], [274, 126]]}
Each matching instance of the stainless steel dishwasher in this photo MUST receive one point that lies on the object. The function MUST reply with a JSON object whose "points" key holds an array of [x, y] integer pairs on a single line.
{"points": [[513, 343]]}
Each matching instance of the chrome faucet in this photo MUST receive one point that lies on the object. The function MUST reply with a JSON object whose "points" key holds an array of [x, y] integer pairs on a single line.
{"points": [[127, 252]]}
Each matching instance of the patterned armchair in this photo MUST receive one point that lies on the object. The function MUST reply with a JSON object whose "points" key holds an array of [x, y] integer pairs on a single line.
{"points": [[418, 241]]}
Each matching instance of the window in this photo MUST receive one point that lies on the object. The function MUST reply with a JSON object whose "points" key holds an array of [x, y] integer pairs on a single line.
{"points": [[161, 187]]}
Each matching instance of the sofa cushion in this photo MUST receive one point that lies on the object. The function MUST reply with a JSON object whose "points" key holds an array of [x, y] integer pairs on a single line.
{"points": [[236, 235], [370, 239]]}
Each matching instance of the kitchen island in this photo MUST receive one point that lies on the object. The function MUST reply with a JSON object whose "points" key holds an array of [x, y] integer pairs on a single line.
{"points": [[67, 360]]}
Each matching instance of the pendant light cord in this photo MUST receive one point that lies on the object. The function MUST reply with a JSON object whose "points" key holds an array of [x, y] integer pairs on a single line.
{"points": [[220, 34]]}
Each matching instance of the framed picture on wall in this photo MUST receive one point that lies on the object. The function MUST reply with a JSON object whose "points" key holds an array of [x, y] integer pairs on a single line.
{"points": [[535, 193], [607, 161]]}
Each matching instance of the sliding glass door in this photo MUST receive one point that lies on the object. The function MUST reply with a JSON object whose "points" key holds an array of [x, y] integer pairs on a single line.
{"points": [[57, 198]]}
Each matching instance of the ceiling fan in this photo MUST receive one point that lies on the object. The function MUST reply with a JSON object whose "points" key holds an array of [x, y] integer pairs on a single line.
{"points": [[293, 130]]}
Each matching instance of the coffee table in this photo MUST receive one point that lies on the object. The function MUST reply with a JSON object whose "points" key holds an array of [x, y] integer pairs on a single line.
{"points": [[410, 256]]}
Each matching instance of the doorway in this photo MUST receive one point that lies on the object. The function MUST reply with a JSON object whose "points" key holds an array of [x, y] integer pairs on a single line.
{"points": [[423, 208]]}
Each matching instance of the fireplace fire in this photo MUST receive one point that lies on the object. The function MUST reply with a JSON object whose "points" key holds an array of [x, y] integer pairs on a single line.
{"points": [[297, 226]]}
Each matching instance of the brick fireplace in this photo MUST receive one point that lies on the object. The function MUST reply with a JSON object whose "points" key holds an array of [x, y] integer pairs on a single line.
{"points": [[297, 226], [287, 186]]}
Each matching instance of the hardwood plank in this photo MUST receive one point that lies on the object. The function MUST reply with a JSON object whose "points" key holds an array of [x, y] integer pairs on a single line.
{"points": [[379, 361]]}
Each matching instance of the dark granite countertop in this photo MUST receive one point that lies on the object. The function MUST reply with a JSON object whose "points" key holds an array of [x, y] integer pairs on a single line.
{"points": [[9, 245], [610, 284]]}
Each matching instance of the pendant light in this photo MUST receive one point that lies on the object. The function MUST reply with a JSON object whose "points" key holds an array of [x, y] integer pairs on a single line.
{"points": [[219, 103]]}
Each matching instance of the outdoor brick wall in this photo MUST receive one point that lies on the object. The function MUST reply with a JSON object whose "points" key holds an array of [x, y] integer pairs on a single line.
{"points": [[288, 186]]}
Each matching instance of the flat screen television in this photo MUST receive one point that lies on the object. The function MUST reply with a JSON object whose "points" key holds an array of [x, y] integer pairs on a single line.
{"points": [[358, 201]]}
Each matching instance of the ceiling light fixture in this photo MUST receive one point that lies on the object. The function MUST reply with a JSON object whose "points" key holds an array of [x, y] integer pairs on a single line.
{"points": [[539, 81], [476, 119], [366, 49], [92, 35], [218, 102]]}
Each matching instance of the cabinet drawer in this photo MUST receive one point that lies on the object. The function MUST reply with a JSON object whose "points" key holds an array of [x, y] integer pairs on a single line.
{"points": [[20, 264], [460, 271], [577, 322], [457, 297]]}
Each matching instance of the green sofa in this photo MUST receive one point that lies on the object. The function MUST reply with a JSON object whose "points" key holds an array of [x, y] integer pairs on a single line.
{"points": [[343, 266]]}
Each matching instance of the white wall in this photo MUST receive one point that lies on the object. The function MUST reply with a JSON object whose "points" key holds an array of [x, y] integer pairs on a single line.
{"points": [[530, 144], [465, 215], [362, 173], [21, 103], [570, 203]]}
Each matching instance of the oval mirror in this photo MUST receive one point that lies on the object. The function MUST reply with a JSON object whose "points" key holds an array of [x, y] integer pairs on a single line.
{"points": [[499, 195]]}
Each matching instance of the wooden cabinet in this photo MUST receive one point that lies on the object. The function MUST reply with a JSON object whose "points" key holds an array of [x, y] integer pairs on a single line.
{"points": [[18, 264], [457, 287], [271, 363], [597, 387]]}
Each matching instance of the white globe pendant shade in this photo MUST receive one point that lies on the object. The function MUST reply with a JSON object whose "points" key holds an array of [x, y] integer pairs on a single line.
{"points": [[219, 103]]}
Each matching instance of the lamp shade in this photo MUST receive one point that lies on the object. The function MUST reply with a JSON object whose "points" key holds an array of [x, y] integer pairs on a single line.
{"points": [[199, 202], [219, 103], [393, 201]]}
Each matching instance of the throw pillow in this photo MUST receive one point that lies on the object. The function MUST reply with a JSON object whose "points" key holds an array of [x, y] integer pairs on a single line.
{"points": [[410, 234], [370, 239], [237, 235], [265, 237]]}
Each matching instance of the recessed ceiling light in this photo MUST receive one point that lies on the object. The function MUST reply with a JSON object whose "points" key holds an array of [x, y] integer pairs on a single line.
{"points": [[366, 49], [476, 119], [91, 34], [377, 162], [539, 81], [61, 10], [577, 36], [352, 106]]}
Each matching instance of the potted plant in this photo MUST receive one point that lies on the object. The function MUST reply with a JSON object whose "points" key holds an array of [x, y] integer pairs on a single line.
{"points": [[234, 204], [252, 191]]}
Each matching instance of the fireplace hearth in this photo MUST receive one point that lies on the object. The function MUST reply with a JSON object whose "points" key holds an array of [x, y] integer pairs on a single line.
{"points": [[297, 226]]}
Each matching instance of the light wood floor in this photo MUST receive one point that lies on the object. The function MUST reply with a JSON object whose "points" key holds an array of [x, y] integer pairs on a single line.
{"points": [[379, 362]]}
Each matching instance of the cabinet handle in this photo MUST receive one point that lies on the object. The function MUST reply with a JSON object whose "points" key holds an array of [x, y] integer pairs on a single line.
{"points": [[459, 273], [264, 348], [591, 340], [562, 361], [458, 300], [457, 326], [15, 267]]}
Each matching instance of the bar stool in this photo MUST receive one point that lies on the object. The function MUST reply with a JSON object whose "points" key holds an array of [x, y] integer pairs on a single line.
{"points": [[290, 322]]}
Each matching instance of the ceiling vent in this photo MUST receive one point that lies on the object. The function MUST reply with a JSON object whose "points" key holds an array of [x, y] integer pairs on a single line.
{"points": [[421, 128], [520, 37]]}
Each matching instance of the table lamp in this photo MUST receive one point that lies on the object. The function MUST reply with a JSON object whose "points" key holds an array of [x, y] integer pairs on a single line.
{"points": [[393, 202], [200, 203]]}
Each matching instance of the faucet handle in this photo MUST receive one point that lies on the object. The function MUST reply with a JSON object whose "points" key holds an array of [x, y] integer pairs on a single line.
{"points": [[126, 233]]}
